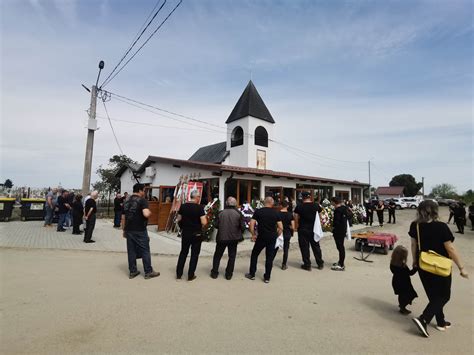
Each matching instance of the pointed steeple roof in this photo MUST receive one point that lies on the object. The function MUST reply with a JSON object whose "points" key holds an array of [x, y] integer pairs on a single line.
{"points": [[250, 104]]}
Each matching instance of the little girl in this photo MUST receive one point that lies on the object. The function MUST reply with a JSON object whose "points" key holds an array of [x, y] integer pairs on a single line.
{"points": [[401, 278]]}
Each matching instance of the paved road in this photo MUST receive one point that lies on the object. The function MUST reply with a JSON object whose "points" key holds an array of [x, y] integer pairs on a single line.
{"points": [[72, 301]]}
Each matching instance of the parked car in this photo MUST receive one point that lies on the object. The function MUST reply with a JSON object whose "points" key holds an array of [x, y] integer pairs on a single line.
{"points": [[445, 201], [400, 204], [411, 202]]}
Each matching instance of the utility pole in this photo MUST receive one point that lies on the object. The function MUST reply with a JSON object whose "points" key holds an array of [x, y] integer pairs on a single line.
{"points": [[91, 128], [423, 186], [370, 186]]}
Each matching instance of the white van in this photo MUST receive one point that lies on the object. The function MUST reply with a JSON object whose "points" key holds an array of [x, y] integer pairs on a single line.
{"points": [[400, 204], [411, 202]]}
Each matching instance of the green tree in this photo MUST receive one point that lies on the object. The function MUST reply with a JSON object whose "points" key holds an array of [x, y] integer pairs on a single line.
{"points": [[8, 184], [108, 181], [411, 187], [444, 191]]}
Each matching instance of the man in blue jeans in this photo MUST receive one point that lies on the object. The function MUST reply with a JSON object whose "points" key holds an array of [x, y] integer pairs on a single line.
{"points": [[63, 209], [134, 221], [50, 204]]}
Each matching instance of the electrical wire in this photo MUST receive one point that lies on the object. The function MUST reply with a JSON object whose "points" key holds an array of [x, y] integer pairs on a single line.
{"points": [[139, 123], [135, 102], [144, 43], [136, 38], [112, 127]]}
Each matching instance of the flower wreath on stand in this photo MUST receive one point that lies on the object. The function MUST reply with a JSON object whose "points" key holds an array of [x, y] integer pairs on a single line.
{"points": [[211, 210], [247, 211]]}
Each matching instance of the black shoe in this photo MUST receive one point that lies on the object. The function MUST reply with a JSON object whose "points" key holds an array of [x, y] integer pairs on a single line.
{"points": [[60, 230], [404, 311], [214, 275], [228, 277], [266, 281], [307, 268], [284, 267], [133, 274], [192, 278], [320, 267], [178, 277], [421, 325], [89, 241], [250, 276], [151, 275]]}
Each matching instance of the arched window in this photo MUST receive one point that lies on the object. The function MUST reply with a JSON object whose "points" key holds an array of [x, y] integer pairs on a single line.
{"points": [[237, 137], [261, 136]]}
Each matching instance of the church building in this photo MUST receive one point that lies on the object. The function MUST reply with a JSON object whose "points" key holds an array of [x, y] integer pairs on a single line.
{"points": [[240, 167]]}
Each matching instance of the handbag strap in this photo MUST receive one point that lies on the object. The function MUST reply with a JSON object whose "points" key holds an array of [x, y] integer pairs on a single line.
{"points": [[418, 234]]}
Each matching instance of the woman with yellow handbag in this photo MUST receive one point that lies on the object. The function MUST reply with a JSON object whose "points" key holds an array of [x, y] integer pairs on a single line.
{"points": [[433, 253]]}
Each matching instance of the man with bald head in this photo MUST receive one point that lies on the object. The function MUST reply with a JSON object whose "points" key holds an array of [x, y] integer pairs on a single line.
{"points": [[269, 228], [230, 225], [90, 210]]}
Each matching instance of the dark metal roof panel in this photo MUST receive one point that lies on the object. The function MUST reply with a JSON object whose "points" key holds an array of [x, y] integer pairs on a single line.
{"points": [[214, 153], [250, 104]]}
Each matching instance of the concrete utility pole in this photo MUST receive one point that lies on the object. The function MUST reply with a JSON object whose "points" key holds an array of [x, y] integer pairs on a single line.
{"points": [[91, 128], [370, 186], [423, 186]]}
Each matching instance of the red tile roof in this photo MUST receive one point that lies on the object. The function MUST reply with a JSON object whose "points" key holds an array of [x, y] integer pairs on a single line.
{"points": [[390, 190], [243, 170]]}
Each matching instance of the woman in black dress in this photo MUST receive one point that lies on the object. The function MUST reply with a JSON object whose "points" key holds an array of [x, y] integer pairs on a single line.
{"points": [[77, 214], [436, 236]]}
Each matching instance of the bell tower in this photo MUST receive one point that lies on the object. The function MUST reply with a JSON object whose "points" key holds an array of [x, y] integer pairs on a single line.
{"points": [[249, 131]]}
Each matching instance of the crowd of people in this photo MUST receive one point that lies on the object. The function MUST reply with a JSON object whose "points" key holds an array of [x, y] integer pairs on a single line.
{"points": [[71, 210]]}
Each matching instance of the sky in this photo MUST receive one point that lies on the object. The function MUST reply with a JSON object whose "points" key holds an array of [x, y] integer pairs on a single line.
{"points": [[346, 82]]}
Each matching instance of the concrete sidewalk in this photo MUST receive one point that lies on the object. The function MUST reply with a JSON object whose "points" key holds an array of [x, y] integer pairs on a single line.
{"points": [[32, 234]]}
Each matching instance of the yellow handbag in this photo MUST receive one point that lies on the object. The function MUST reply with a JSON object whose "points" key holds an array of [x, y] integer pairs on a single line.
{"points": [[430, 261]]}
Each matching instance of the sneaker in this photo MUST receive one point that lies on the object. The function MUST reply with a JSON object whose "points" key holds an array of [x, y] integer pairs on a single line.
{"points": [[338, 267], [60, 230], [192, 278], [151, 275], [250, 276], [307, 268], [133, 274], [284, 267], [441, 328], [267, 281], [214, 275], [404, 311], [228, 277], [89, 241], [178, 277], [421, 325], [320, 267]]}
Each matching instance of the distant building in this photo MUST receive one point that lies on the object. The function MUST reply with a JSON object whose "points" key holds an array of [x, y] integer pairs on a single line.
{"points": [[385, 192], [239, 167]]}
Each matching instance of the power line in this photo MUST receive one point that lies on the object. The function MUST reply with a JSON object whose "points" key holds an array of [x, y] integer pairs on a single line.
{"points": [[167, 111], [137, 38], [147, 107], [139, 123], [171, 118], [112, 127], [144, 43]]}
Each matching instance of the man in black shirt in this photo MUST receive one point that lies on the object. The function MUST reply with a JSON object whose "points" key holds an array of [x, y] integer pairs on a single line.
{"points": [[134, 221], [288, 222], [118, 209], [90, 210], [269, 228], [192, 219], [63, 210], [305, 215], [460, 216], [369, 209], [391, 211], [339, 231]]}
